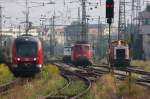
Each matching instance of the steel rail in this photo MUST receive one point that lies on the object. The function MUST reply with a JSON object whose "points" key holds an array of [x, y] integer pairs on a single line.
{"points": [[53, 96], [79, 75]]}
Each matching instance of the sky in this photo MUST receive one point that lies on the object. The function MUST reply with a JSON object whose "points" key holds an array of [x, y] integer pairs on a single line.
{"points": [[65, 11]]}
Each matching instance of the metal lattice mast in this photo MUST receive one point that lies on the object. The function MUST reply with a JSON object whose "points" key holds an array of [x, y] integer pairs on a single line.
{"points": [[27, 17], [136, 10], [0, 25], [135, 22], [136, 42], [122, 20], [83, 33]]}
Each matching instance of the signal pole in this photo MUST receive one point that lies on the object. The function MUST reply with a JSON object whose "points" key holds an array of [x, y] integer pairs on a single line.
{"points": [[109, 16]]}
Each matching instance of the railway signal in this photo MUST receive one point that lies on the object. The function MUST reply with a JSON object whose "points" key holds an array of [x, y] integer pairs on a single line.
{"points": [[109, 9], [109, 16]]}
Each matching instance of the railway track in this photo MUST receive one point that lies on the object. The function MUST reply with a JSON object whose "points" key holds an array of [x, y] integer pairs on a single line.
{"points": [[73, 76], [84, 92], [6, 88], [53, 94], [143, 78], [121, 73]]}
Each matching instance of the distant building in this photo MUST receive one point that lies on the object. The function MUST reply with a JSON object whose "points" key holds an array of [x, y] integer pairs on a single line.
{"points": [[59, 35], [72, 32], [145, 31]]}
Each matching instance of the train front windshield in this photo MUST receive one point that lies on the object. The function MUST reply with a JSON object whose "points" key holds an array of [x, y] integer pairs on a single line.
{"points": [[120, 53], [81, 48], [67, 49], [26, 49]]}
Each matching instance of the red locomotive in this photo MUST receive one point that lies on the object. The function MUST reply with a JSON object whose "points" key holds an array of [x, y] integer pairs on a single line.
{"points": [[26, 55], [81, 54], [119, 54]]}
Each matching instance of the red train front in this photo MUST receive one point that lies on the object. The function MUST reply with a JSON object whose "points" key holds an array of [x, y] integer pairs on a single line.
{"points": [[81, 54], [26, 55]]}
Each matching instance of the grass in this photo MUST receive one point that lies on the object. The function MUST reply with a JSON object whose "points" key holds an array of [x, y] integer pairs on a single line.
{"points": [[130, 90], [103, 88], [49, 81], [140, 63], [107, 87], [103, 61], [5, 74]]}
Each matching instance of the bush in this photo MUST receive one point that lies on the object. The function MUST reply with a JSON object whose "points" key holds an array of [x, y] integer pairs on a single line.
{"points": [[4, 55], [5, 74]]}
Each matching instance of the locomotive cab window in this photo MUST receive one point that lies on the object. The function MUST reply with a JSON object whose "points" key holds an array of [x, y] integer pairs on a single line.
{"points": [[120, 53], [85, 47], [26, 49], [67, 49], [77, 48]]}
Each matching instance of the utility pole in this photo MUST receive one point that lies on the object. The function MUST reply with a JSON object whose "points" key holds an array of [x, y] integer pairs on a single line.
{"points": [[27, 17], [99, 38], [84, 35], [0, 25], [52, 36], [79, 14], [19, 32], [122, 20], [78, 35]]}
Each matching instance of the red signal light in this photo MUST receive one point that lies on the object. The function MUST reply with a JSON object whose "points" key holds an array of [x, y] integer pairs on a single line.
{"points": [[109, 5]]}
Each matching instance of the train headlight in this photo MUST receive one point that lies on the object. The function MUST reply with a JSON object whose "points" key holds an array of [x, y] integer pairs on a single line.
{"points": [[39, 66], [35, 59], [18, 59]]}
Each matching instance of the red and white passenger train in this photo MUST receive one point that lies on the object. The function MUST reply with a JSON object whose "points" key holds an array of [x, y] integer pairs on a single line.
{"points": [[26, 55], [119, 54], [81, 54]]}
